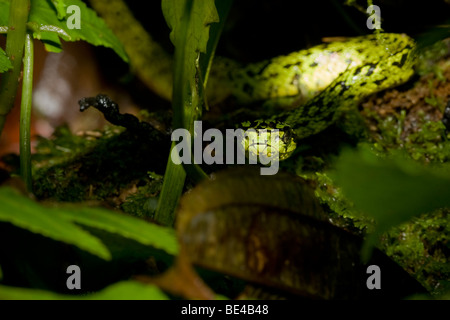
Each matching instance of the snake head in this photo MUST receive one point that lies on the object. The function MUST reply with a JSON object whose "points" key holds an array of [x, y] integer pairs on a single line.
{"points": [[268, 139]]}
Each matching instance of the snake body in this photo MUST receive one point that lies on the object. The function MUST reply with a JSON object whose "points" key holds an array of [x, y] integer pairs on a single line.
{"points": [[314, 82], [317, 81]]}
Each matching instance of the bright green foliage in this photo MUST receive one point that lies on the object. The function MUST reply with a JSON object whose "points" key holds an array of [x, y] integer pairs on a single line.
{"points": [[61, 224], [125, 290], [60, 8], [92, 28], [5, 64]]}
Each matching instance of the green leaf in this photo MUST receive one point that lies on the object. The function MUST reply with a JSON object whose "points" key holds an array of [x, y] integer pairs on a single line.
{"points": [[5, 64], [203, 13], [48, 13], [189, 22], [126, 226], [60, 8], [392, 190], [26, 214], [125, 290], [60, 223]]}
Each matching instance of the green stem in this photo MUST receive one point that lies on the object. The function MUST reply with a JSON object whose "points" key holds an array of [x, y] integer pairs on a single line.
{"points": [[187, 101], [18, 16], [25, 113], [175, 175], [171, 191]]}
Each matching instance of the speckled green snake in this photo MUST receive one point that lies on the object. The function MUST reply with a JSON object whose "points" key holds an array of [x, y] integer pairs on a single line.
{"points": [[317, 81]]}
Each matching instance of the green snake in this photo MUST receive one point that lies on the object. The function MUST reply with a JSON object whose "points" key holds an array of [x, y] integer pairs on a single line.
{"points": [[317, 81]]}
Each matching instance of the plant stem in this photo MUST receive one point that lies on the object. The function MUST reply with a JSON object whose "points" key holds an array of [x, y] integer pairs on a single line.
{"points": [[187, 100], [25, 113], [175, 175], [18, 16], [171, 191]]}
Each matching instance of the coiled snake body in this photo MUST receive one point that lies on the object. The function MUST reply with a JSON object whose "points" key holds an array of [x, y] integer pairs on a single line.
{"points": [[318, 81]]}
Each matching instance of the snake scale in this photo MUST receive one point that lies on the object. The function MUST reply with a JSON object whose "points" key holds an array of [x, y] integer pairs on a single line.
{"points": [[317, 81]]}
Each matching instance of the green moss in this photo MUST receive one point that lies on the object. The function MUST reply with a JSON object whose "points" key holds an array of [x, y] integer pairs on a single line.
{"points": [[428, 57], [341, 210], [62, 147], [98, 166], [58, 161], [143, 203], [422, 248], [430, 143], [390, 129]]}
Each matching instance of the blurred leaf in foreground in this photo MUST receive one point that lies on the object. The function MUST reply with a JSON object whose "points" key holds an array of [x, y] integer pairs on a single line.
{"points": [[271, 232], [392, 190], [61, 224], [126, 290]]}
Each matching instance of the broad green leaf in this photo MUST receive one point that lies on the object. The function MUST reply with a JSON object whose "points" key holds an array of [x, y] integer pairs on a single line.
{"points": [[24, 213], [125, 290], [126, 226], [60, 223], [92, 28], [392, 190], [5, 64], [189, 22], [203, 13]]}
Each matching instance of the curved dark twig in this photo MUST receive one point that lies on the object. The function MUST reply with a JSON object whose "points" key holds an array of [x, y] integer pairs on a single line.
{"points": [[110, 110]]}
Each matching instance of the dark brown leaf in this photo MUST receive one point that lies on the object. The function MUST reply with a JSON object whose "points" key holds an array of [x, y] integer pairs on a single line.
{"points": [[271, 231]]}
